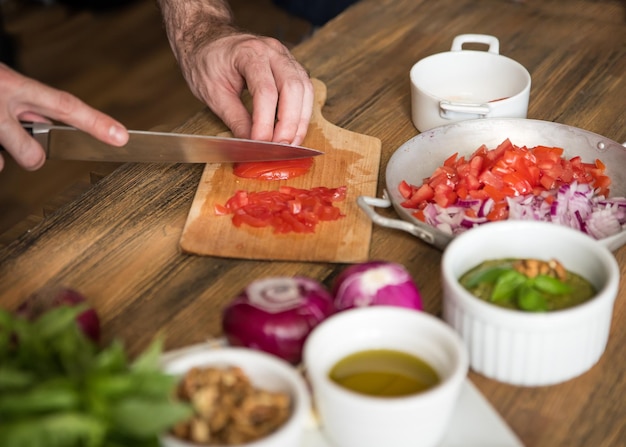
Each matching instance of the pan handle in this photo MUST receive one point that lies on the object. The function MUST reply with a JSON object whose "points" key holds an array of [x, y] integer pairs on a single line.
{"points": [[367, 204]]}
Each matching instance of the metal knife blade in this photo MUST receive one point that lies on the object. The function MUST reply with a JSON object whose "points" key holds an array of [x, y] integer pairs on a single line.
{"points": [[68, 143]]}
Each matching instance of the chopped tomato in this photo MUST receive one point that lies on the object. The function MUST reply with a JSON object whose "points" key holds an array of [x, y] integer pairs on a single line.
{"points": [[273, 170], [506, 171], [287, 209]]}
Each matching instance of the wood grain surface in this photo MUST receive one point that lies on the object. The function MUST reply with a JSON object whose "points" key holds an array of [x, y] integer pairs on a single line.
{"points": [[118, 243], [350, 159]]}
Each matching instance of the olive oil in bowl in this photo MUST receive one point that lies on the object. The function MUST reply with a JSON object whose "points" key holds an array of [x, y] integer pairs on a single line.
{"points": [[384, 373]]}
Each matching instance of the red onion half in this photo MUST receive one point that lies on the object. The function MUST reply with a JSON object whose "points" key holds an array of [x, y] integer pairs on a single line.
{"points": [[276, 315], [376, 282]]}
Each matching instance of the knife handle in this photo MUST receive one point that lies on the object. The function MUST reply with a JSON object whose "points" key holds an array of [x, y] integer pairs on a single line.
{"points": [[39, 131]]}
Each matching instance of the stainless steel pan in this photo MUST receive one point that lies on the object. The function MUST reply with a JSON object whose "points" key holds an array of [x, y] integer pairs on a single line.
{"points": [[417, 159]]}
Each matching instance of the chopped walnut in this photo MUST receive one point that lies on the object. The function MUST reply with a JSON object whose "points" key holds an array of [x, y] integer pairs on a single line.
{"points": [[535, 267], [228, 409]]}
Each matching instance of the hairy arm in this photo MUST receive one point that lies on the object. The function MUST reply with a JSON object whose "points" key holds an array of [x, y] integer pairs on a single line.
{"points": [[191, 24], [219, 61]]}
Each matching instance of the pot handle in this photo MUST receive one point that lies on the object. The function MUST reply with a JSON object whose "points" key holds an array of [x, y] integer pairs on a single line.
{"points": [[367, 204], [492, 41], [482, 110]]}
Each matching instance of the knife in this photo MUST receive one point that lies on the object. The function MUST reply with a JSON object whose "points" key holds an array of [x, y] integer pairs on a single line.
{"points": [[68, 143]]}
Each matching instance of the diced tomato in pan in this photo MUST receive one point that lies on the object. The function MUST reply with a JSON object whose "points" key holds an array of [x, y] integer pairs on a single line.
{"points": [[505, 171]]}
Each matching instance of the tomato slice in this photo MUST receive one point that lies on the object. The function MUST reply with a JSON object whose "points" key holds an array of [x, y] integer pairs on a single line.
{"points": [[287, 209], [273, 170]]}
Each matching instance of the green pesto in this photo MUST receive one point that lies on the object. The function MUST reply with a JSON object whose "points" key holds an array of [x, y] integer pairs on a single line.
{"points": [[497, 282]]}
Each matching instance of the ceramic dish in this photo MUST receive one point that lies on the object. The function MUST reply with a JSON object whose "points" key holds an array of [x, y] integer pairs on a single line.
{"points": [[474, 422], [420, 156], [522, 347], [265, 371], [463, 84]]}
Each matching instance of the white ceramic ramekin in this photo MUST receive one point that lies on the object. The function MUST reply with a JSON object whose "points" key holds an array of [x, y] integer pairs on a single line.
{"points": [[265, 371], [526, 348], [466, 84]]}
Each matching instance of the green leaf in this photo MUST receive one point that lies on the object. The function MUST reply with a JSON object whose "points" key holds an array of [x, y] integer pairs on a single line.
{"points": [[507, 285], [530, 299], [55, 430], [551, 285], [155, 384], [148, 360], [43, 398], [6, 321], [13, 378], [112, 359], [481, 275], [143, 418], [57, 388], [57, 320], [74, 351]]}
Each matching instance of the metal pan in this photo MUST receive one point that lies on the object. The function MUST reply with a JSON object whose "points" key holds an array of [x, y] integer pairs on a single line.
{"points": [[420, 156]]}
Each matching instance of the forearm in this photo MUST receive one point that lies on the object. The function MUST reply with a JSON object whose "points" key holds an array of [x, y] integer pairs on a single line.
{"points": [[191, 24]]}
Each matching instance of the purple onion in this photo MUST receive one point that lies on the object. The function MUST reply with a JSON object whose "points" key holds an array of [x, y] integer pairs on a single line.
{"points": [[375, 283], [49, 298], [276, 315]]}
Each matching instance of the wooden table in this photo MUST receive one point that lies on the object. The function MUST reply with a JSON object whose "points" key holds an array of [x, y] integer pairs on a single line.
{"points": [[118, 243]]}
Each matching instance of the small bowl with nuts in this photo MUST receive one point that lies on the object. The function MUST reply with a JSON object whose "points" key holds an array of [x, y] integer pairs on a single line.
{"points": [[239, 397], [532, 301]]}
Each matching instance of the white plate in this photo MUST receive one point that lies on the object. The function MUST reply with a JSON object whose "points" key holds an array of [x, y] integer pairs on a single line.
{"points": [[475, 423]]}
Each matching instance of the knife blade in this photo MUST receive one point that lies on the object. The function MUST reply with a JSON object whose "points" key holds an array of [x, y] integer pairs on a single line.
{"points": [[68, 143]]}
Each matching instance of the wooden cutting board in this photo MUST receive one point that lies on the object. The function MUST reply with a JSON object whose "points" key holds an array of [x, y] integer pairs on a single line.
{"points": [[349, 159]]}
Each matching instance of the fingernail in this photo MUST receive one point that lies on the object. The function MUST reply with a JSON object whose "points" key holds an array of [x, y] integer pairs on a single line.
{"points": [[118, 134]]}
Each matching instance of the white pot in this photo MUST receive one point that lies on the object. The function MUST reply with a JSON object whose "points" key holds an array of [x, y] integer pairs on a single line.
{"points": [[466, 84]]}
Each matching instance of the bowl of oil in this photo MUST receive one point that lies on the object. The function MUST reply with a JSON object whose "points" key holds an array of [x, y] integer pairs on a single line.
{"points": [[384, 375]]}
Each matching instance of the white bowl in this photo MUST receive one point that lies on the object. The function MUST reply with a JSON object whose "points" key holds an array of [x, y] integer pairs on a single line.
{"points": [[350, 419], [266, 371], [527, 348]]}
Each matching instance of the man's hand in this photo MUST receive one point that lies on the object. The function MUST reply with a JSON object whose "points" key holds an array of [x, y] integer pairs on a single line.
{"points": [[24, 99], [219, 62]]}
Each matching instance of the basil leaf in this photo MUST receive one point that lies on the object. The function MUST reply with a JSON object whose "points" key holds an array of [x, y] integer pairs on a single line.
{"points": [[507, 285], [38, 400], [13, 378], [155, 384], [55, 430], [149, 359], [488, 274], [551, 285], [145, 417], [57, 320], [112, 359], [531, 300]]}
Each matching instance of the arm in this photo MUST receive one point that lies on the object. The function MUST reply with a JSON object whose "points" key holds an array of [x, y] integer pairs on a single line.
{"points": [[219, 61], [24, 99]]}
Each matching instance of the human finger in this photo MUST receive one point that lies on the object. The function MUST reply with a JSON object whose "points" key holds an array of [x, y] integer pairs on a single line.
{"points": [[65, 107], [264, 92], [295, 108], [26, 151]]}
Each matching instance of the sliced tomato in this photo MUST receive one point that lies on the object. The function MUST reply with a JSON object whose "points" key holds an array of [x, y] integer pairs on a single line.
{"points": [[273, 170], [287, 209]]}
